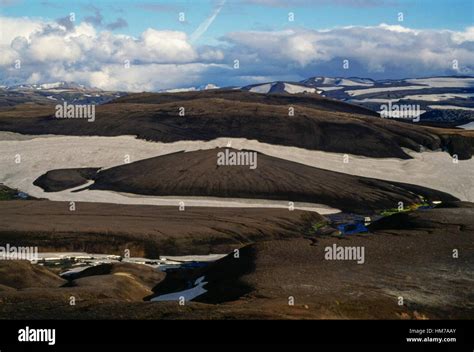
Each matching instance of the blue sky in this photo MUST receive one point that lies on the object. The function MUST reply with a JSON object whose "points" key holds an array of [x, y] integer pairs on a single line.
{"points": [[238, 15], [435, 38]]}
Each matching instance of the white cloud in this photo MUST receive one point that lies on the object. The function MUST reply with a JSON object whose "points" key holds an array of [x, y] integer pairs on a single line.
{"points": [[138, 78], [54, 48], [370, 50], [17, 27], [466, 36], [396, 28], [50, 52], [169, 46], [167, 59]]}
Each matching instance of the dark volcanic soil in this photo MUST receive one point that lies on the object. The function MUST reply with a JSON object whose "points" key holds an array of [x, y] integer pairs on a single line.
{"points": [[118, 281], [413, 259], [197, 174], [415, 263], [318, 124], [145, 230], [60, 180], [20, 274]]}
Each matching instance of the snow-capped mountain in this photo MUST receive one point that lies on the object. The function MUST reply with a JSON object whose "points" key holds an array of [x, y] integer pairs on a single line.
{"points": [[446, 101], [191, 89], [317, 85], [281, 87], [337, 82], [64, 85], [47, 93], [52, 85]]}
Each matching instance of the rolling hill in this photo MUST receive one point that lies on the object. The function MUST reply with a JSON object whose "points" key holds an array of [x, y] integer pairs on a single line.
{"points": [[318, 123]]}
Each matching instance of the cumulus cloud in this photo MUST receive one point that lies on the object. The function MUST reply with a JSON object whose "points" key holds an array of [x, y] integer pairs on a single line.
{"points": [[393, 50], [17, 27], [139, 78], [50, 52], [159, 59]]}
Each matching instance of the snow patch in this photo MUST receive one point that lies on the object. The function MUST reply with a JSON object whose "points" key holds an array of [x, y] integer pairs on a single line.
{"points": [[444, 82], [382, 89], [295, 89], [429, 169], [188, 294], [262, 89], [468, 126], [449, 107], [439, 97]]}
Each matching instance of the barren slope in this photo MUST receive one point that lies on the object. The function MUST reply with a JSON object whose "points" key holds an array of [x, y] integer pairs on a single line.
{"points": [[317, 124], [197, 174]]}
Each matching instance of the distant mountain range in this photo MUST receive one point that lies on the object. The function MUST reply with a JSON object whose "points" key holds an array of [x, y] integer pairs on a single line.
{"points": [[443, 101], [281, 87], [48, 86], [48, 93]]}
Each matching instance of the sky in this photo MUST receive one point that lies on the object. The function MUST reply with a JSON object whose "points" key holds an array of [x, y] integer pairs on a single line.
{"points": [[154, 45]]}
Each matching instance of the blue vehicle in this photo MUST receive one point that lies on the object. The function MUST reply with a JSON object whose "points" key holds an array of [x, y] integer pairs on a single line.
{"points": [[352, 228]]}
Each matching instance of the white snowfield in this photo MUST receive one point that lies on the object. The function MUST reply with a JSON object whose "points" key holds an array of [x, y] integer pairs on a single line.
{"points": [[357, 92], [444, 82], [424, 83], [295, 89], [40, 154], [355, 82], [56, 256], [193, 258], [373, 100], [83, 260], [186, 295], [468, 126], [343, 82], [439, 97], [449, 107], [328, 89], [262, 89], [423, 97], [287, 87]]}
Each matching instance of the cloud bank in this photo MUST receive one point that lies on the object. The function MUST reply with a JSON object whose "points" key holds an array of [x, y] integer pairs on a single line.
{"points": [[158, 59]]}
